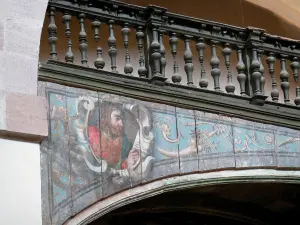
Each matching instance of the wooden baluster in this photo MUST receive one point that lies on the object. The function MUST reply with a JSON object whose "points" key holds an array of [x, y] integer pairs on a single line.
{"points": [[284, 77], [96, 28], [52, 32], [215, 62], [295, 67], [162, 50], [128, 69], [261, 70], [176, 78], [256, 75], [155, 53], [66, 19], [112, 51], [271, 61], [188, 59], [240, 67], [297, 99], [83, 40], [99, 62], [230, 88], [142, 71], [200, 46]]}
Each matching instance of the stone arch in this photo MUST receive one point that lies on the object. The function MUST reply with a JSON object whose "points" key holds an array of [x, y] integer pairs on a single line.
{"points": [[166, 185], [169, 184]]}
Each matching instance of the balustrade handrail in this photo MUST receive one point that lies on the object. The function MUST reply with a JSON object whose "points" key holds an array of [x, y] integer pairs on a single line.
{"points": [[152, 22], [138, 16]]}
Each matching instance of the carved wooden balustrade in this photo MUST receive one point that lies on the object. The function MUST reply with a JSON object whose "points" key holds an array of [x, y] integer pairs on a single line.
{"points": [[260, 69]]}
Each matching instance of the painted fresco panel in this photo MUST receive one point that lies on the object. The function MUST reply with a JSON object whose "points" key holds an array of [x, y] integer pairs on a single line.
{"points": [[287, 147], [187, 143], [83, 116], [100, 144], [58, 144], [215, 141], [119, 143], [165, 144], [254, 144]]}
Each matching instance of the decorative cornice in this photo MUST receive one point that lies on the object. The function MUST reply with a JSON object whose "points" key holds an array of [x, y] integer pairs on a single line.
{"points": [[172, 94]]}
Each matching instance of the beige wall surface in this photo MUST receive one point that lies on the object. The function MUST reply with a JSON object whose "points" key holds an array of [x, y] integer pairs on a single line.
{"points": [[20, 183], [280, 17]]}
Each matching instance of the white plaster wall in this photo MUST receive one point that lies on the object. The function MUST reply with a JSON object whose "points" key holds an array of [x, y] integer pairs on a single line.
{"points": [[20, 189]]}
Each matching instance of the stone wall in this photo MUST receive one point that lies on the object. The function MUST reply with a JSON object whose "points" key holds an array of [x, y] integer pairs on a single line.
{"points": [[22, 112]]}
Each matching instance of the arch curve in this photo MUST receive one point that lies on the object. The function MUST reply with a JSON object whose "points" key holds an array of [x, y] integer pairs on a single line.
{"points": [[154, 188]]}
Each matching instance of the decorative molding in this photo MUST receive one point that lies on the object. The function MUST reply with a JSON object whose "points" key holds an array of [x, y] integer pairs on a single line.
{"points": [[182, 182], [183, 25], [171, 94]]}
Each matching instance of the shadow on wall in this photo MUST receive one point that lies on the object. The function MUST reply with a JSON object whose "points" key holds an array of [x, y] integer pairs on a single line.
{"points": [[100, 144], [277, 17]]}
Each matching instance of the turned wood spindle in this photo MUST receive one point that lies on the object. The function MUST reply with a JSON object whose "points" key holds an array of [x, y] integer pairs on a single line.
{"points": [[240, 67], [155, 53], [112, 51], [173, 41], [230, 88], [297, 99], [99, 62], [188, 60], [295, 65], [66, 19], [52, 33], [295, 68], [215, 62], [83, 40], [271, 63], [142, 71], [200, 46], [261, 70], [162, 50], [256, 75], [284, 77], [128, 69]]}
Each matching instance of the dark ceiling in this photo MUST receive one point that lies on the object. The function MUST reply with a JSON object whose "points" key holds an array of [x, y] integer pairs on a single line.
{"points": [[226, 204]]}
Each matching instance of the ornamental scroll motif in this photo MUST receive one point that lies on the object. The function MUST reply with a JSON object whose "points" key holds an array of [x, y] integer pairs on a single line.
{"points": [[100, 144]]}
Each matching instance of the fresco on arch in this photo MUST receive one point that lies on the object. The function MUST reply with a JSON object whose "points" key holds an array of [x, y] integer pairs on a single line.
{"points": [[100, 144]]}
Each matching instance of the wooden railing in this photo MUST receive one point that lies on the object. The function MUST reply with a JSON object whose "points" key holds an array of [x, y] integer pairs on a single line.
{"points": [[178, 51]]}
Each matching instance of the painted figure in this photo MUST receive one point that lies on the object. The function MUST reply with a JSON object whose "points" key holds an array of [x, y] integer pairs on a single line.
{"points": [[114, 137], [109, 141]]}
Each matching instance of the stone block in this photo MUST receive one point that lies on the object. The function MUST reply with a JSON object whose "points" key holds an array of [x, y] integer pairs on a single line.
{"points": [[22, 38], [28, 10], [20, 73], [1, 35], [26, 114]]}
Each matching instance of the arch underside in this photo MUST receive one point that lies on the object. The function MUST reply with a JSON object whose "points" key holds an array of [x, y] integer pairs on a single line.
{"points": [[260, 196], [255, 203]]}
